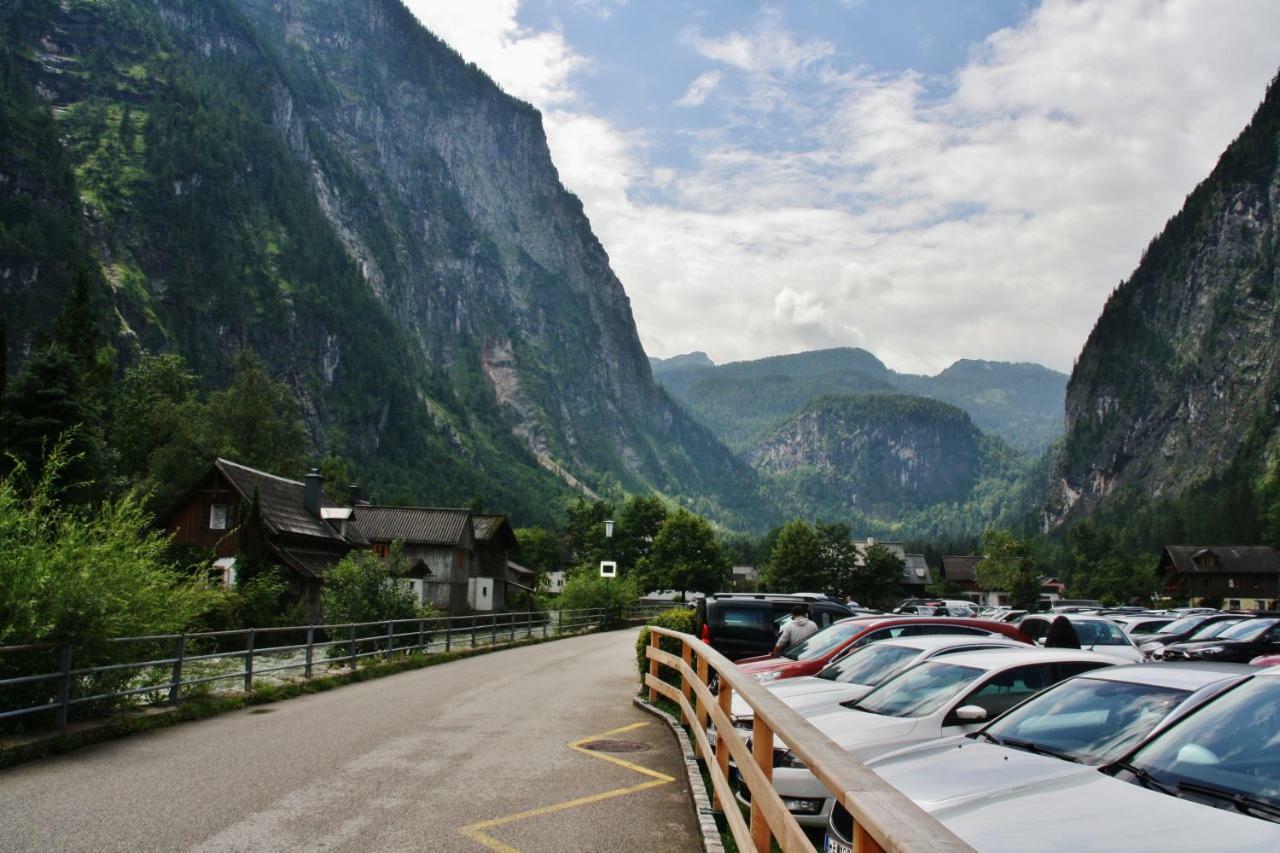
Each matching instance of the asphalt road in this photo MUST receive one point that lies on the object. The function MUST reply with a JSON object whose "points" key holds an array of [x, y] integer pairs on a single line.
{"points": [[465, 756]]}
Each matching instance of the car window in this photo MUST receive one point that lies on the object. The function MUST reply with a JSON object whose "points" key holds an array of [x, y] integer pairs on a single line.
{"points": [[1006, 689], [823, 641], [920, 690], [1035, 629], [872, 665], [1213, 629], [754, 618], [1091, 720], [1150, 627], [1186, 623], [1099, 632], [1251, 629]]}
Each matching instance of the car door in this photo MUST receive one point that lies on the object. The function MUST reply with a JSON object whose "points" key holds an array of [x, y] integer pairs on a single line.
{"points": [[741, 628]]}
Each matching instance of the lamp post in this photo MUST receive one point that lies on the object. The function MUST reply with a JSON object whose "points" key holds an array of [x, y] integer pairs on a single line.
{"points": [[608, 570]]}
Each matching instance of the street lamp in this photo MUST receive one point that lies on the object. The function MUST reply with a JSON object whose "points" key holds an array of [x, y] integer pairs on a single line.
{"points": [[608, 528], [608, 569]]}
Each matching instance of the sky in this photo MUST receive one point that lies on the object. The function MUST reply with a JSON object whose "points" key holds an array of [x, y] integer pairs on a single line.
{"points": [[927, 179]]}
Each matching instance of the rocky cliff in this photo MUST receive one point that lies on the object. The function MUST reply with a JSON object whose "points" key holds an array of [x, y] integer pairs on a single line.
{"points": [[327, 182], [1179, 382]]}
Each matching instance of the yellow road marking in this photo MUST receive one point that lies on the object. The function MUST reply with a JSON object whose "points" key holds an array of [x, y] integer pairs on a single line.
{"points": [[476, 831]]}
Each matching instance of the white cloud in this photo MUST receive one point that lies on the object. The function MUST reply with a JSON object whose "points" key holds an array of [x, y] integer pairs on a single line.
{"points": [[698, 91], [986, 214]]}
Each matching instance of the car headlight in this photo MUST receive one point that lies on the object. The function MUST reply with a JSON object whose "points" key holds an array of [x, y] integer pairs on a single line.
{"points": [[1149, 647], [1204, 650], [766, 677]]}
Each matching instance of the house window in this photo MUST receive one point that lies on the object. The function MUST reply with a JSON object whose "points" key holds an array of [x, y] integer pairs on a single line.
{"points": [[1231, 583], [217, 516], [459, 559]]}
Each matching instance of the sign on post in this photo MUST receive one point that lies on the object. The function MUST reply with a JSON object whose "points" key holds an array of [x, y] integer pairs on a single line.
{"points": [[608, 569]]}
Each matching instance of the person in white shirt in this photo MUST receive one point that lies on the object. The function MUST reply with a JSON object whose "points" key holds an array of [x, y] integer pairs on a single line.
{"points": [[799, 629]]}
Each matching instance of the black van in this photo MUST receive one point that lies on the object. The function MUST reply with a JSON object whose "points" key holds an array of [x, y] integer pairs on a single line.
{"points": [[744, 624]]}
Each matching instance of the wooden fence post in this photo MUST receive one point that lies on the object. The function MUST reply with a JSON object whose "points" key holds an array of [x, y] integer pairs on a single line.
{"points": [[686, 654], [64, 686], [725, 700], [762, 751], [175, 683], [654, 639], [699, 707]]}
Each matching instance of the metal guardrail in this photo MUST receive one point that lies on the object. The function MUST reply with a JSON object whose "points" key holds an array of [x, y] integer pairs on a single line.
{"points": [[884, 819], [340, 646]]}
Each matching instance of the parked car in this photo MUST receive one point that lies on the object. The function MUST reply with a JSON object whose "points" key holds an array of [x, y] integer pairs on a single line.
{"points": [[743, 625], [1068, 730], [1239, 643], [854, 675], [827, 646], [1197, 626], [932, 700], [1209, 780], [1142, 626], [1094, 633], [1265, 660]]}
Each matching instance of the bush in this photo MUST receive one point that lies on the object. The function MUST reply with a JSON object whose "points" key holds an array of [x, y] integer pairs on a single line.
{"points": [[682, 619], [587, 589]]}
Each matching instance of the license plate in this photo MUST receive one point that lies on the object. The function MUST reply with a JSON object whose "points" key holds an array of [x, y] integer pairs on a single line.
{"points": [[833, 845]]}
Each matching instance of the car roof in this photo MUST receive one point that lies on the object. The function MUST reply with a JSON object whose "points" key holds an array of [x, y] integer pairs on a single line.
{"points": [[929, 642], [1071, 617], [1007, 658], [1178, 675]]}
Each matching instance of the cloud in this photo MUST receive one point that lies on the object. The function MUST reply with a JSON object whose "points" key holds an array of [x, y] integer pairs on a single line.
{"points": [[768, 47], [536, 66], [702, 86]]}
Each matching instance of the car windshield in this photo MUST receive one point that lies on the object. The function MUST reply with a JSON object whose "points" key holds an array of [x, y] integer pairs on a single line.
{"points": [[1250, 629], [1099, 632], [1186, 623], [823, 641], [1150, 627], [1089, 719], [873, 664], [920, 690], [1213, 629], [1226, 754]]}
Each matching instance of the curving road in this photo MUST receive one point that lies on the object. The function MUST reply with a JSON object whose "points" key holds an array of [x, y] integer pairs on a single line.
{"points": [[482, 753]]}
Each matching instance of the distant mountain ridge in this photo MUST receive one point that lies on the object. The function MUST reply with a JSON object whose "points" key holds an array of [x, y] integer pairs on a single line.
{"points": [[1019, 402]]}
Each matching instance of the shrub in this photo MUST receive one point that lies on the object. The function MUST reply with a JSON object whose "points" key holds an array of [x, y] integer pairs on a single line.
{"points": [[682, 619], [587, 589]]}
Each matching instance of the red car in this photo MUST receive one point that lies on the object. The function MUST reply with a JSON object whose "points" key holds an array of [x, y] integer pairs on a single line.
{"points": [[825, 647]]}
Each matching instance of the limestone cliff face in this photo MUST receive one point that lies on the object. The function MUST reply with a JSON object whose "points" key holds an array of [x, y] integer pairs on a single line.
{"points": [[1180, 379], [327, 182]]}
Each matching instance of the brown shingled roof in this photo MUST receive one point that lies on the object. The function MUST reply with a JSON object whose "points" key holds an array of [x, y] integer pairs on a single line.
{"points": [[489, 527], [959, 568], [281, 500], [1234, 559], [413, 524]]}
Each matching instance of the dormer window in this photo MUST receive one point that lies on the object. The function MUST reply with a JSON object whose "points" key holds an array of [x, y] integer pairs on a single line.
{"points": [[218, 516]]}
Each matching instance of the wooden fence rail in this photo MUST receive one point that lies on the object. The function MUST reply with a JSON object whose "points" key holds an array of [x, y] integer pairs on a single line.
{"points": [[885, 821]]}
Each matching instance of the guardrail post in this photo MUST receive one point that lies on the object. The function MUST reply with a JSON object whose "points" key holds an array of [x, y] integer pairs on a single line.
{"points": [[311, 639], [448, 631], [546, 625], [248, 662], [686, 654], [725, 699], [175, 685], [351, 647], [493, 636], [654, 640], [762, 751], [422, 635], [511, 620], [863, 842], [64, 686], [391, 637]]}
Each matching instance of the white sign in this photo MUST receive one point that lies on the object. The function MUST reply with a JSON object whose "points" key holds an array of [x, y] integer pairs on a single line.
{"points": [[608, 569]]}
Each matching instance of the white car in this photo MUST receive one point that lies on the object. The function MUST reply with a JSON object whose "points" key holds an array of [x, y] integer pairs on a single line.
{"points": [[1140, 626], [854, 675], [934, 699], [1206, 780], [1096, 634]]}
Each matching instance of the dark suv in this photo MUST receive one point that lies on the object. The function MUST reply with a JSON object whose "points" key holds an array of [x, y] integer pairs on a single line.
{"points": [[740, 625]]}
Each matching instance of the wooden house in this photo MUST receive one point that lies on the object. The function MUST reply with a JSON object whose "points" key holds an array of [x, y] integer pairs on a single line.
{"points": [[1240, 576], [439, 543], [305, 532]]}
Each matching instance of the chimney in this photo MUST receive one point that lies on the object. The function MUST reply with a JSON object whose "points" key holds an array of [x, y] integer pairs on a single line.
{"points": [[311, 496], [353, 494]]}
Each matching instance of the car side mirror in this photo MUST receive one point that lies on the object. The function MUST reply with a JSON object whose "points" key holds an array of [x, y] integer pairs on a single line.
{"points": [[971, 714]]}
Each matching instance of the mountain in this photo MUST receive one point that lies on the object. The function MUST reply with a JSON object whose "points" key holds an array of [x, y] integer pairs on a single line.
{"points": [[899, 463], [690, 359], [1021, 403], [1174, 400], [326, 182]]}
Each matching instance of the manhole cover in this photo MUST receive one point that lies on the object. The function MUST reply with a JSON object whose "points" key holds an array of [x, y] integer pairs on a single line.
{"points": [[615, 746]]}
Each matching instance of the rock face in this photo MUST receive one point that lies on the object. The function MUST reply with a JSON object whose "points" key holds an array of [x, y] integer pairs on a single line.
{"points": [[879, 453], [327, 182], [1179, 382]]}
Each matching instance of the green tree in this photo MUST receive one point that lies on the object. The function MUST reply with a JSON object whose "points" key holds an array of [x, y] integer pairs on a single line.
{"points": [[638, 526], [584, 532], [255, 420], [797, 562], [1101, 568], [878, 577], [540, 550], [154, 424], [1007, 566], [686, 556], [364, 587], [840, 558]]}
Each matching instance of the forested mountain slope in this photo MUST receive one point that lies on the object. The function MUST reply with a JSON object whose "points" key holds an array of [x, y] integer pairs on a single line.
{"points": [[1174, 404], [326, 182]]}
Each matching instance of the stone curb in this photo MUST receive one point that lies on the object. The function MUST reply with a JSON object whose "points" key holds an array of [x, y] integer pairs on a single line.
{"points": [[706, 815]]}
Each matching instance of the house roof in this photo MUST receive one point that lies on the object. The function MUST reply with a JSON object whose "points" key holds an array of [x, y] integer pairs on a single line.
{"points": [[915, 570], [519, 569], [488, 528], [416, 525], [1221, 559], [281, 502], [308, 562], [956, 568]]}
